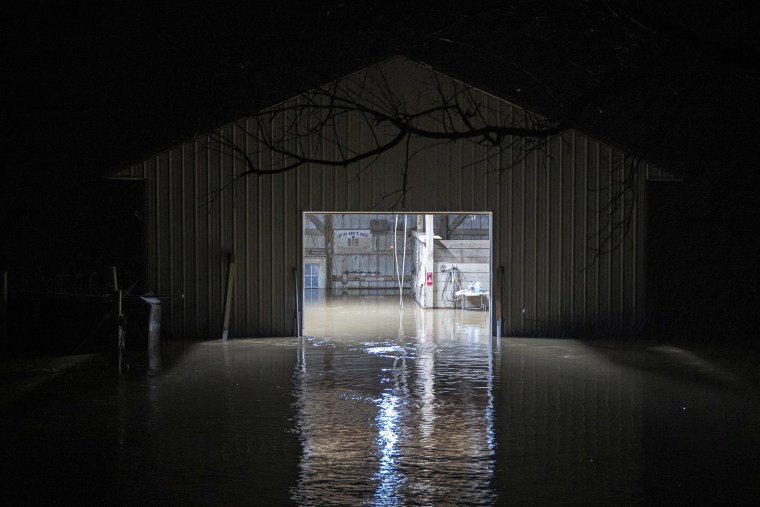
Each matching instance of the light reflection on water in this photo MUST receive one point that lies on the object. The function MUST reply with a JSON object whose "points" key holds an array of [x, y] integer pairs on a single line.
{"points": [[403, 419]]}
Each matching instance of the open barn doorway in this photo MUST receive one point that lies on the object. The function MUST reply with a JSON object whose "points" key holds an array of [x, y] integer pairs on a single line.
{"points": [[363, 273]]}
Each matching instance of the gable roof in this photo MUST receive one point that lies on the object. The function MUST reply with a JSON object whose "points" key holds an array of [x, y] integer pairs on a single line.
{"points": [[654, 171]]}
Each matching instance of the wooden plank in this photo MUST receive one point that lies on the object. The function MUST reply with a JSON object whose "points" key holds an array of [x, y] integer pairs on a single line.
{"points": [[463, 243], [480, 267], [228, 298], [462, 233]]}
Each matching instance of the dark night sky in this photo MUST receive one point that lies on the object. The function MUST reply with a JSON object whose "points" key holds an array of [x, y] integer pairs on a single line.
{"points": [[89, 87], [94, 86]]}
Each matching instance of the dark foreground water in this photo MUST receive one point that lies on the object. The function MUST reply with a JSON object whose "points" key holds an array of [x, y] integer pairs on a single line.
{"points": [[431, 412]]}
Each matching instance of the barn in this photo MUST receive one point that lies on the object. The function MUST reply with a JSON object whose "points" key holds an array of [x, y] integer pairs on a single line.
{"points": [[233, 216]]}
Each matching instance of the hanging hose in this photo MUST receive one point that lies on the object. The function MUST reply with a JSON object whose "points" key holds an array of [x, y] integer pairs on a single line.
{"points": [[403, 267], [452, 284]]}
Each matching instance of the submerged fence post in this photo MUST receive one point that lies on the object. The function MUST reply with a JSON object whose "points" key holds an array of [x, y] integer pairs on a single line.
{"points": [[120, 327], [112, 277]]}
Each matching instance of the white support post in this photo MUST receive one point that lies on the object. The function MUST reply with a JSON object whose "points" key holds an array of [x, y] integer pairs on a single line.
{"points": [[429, 246]]}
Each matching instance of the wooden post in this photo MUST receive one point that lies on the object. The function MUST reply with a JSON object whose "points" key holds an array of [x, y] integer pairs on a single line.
{"points": [[329, 253], [120, 328], [228, 298], [114, 282], [497, 299], [297, 313]]}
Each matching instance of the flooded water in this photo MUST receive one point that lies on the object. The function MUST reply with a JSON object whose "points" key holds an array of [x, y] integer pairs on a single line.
{"points": [[390, 408]]}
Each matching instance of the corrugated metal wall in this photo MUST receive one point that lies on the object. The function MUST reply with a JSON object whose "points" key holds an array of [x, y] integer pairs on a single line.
{"points": [[548, 219]]}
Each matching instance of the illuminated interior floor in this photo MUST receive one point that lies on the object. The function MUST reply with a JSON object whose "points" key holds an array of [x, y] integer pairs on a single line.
{"points": [[370, 316]]}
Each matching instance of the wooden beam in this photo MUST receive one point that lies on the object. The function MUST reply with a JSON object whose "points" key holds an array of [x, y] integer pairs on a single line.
{"points": [[444, 227], [456, 223], [482, 233], [313, 219]]}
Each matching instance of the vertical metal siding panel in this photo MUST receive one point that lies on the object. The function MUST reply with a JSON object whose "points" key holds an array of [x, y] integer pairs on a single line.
{"points": [[531, 209], [491, 202], [239, 232], [176, 182], [521, 234], [202, 231], [152, 224], [254, 243], [548, 232], [636, 272], [251, 148], [386, 174], [605, 258], [265, 247], [580, 250], [361, 140], [505, 234], [215, 237], [464, 157], [470, 161], [242, 252], [443, 200], [163, 252], [164, 223], [628, 267], [190, 239], [281, 282], [321, 181], [294, 246], [626, 262], [211, 170], [341, 194], [541, 233], [567, 221], [447, 164], [281, 270], [555, 229], [618, 255], [640, 211], [592, 217], [226, 229], [357, 137]]}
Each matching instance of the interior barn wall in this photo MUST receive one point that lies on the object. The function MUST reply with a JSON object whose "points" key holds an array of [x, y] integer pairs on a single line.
{"points": [[472, 260], [547, 221]]}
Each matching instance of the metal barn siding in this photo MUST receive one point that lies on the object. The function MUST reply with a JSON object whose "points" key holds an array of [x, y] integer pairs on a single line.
{"points": [[548, 219]]}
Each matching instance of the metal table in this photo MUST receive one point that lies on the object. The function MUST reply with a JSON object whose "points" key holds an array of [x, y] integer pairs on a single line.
{"points": [[462, 295]]}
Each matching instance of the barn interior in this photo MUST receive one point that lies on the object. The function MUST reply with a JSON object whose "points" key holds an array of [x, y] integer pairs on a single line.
{"points": [[362, 272]]}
